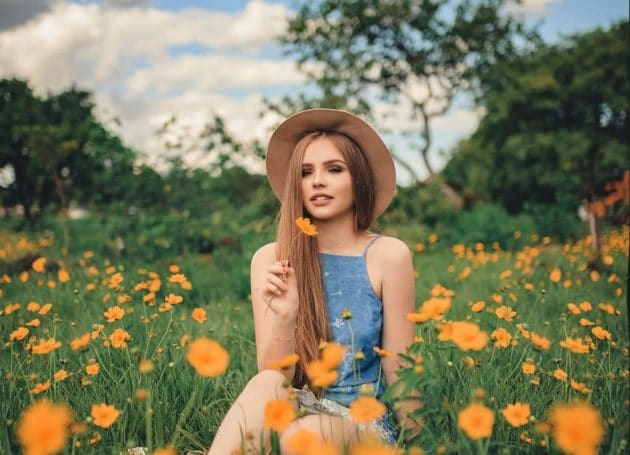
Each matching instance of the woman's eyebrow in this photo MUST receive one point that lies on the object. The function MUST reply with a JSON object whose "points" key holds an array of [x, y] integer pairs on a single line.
{"points": [[327, 162]]}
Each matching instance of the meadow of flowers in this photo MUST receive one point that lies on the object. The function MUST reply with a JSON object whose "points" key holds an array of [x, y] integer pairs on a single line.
{"points": [[515, 351]]}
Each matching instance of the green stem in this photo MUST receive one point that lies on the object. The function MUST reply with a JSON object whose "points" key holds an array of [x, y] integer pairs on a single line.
{"points": [[183, 416], [148, 421]]}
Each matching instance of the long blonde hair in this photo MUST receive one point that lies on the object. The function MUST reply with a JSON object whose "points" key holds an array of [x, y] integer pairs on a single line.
{"points": [[312, 318]]}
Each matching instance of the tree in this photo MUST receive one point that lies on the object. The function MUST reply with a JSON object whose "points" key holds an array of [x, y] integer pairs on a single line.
{"points": [[421, 52], [556, 129]]}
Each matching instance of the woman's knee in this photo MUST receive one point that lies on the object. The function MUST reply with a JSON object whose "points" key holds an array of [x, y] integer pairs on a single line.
{"points": [[266, 380]]}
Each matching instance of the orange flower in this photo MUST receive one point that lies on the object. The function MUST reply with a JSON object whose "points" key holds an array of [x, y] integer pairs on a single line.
{"points": [[40, 387], [43, 428], [476, 421], [528, 367], [115, 280], [371, 448], [46, 346], [435, 307], [418, 317], [555, 275], [505, 312], [60, 375], [601, 333], [165, 451], [18, 334], [539, 341], [119, 338], [383, 353], [580, 387], [560, 374], [477, 307], [285, 362], [80, 342], [575, 345], [502, 337], [320, 374], [573, 308], [306, 227], [39, 265], [366, 409], [173, 299], [332, 355], [302, 441], [199, 315], [63, 275], [104, 415], [467, 336], [114, 313], [279, 414], [517, 414], [585, 322], [607, 307], [92, 368], [577, 427], [207, 357]]}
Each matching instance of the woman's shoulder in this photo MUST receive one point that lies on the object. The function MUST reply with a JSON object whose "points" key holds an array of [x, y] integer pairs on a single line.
{"points": [[391, 250], [266, 254]]}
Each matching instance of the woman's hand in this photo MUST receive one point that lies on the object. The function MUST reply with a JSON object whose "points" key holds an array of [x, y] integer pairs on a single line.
{"points": [[280, 291]]}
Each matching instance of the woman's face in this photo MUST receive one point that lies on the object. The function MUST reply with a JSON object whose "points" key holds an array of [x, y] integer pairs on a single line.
{"points": [[326, 181]]}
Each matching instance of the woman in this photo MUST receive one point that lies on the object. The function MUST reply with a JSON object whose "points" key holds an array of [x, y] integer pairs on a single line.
{"points": [[345, 285]]}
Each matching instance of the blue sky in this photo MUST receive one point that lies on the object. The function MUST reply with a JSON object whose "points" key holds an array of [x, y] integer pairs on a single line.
{"points": [[147, 60]]}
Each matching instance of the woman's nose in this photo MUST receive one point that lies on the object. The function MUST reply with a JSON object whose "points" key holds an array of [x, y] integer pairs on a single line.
{"points": [[318, 178]]}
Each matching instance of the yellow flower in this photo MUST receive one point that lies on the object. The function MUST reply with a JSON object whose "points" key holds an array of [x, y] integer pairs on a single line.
{"points": [[104, 415], [43, 428], [279, 414], [46, 346], [119, 338], [207, 357], [173, 299], [573, 308], [320, 374], [306, 227], [585, 322], [476, 421], [115, 280], [366, 409], [199, 315], [517, 414], [577, 428], [114, 313], [39, 265], [580, 387]]}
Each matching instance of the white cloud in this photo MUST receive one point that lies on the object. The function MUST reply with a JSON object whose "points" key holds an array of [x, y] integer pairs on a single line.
{"points": [[531, 7]]}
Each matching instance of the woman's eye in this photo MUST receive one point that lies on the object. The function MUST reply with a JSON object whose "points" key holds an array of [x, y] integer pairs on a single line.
{"points": [[305, 172], [336, 170]]}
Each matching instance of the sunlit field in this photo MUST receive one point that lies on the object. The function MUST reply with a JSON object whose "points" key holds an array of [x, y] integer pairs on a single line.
{"points": [[516, 351]]}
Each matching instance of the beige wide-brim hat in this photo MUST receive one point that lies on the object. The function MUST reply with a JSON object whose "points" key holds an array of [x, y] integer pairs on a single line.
{"points": [[294, 128]]}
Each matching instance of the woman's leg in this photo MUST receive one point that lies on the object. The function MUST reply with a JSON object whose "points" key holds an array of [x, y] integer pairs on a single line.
{"points": [[246, 415], [330, 428]]}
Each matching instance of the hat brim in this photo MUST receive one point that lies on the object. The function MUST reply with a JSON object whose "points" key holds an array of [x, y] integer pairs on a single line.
{"points": [[288, 134]]}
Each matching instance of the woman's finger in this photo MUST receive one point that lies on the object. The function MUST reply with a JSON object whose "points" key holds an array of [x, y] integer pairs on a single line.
{"points": [[277, 281]]}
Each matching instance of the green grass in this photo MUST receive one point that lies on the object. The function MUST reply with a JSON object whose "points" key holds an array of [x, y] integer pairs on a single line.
{"points": [[220, 285]]}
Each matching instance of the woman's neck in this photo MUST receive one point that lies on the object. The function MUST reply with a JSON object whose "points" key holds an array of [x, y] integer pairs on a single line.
{"points": [[339, 236]]}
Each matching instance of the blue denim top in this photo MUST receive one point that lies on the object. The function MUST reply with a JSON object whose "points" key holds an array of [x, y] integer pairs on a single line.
{"points": [[347, 286]]}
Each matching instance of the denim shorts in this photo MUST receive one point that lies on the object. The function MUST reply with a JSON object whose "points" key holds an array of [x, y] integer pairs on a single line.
{"points": [[308, 403]]}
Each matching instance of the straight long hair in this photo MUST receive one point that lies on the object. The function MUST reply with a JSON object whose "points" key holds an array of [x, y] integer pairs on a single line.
{"points": [[312, 319]]}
